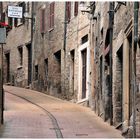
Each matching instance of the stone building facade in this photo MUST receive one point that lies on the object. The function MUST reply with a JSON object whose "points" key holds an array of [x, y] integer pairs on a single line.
{"points": [[17, 47], [64, 52], [123, 40], [62, 46]]}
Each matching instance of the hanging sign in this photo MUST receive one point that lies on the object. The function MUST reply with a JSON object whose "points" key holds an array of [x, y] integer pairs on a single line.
{"points": [[15, 12]]}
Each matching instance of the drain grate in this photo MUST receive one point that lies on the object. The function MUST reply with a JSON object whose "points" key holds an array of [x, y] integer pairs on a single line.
{"points": [[81, 134], [56, 128]]}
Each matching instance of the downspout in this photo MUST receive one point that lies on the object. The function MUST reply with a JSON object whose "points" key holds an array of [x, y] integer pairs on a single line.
{"points": [[64, 44], [111, 21], [32, 50], [65, 29], [136, 8], [1, 75]]}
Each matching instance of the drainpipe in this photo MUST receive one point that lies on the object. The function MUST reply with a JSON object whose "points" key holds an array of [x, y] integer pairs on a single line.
{"points": [[32, 50], [111, 20], [1, 73], [136, 8], [64, 43], [65, 28]]}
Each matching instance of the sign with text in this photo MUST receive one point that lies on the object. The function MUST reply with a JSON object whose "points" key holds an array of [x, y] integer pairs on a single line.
{"points": [[15, 11]]}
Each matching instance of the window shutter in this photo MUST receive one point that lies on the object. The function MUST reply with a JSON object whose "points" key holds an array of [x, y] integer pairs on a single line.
{"points": [[51, 17], [68, 11], [22, 20], [76, 9], [53, 14], [1, 10], [10, 22], [15, 22], [42, 21], [3, 17]]}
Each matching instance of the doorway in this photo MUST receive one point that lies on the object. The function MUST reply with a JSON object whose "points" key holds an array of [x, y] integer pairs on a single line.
{"points": [[118, 93], [72, 54], [29, 63], [7, 55], [84, 64]]}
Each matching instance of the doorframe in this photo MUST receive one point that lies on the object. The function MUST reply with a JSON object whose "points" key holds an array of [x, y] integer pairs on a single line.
{"points": [[81, 48]]}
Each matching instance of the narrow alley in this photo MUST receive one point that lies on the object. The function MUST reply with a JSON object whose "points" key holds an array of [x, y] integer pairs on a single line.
{"points": [[31, 114]]}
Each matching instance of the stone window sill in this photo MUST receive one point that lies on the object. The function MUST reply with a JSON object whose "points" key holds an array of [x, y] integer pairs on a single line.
{"points": [[19, 67], [51, 29]]}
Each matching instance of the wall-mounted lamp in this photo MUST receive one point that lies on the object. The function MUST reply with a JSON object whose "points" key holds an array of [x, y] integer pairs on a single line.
{"points": [[90, 9], [27, 16], [122, 3], [31, 17], [83, 8], [118, 5]]}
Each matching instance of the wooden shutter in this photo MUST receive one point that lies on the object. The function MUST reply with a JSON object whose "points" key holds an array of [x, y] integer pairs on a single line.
{"points": [[22, 20], [3, 17], [15, 22], [10, 22], [51, 18], [42, 21], [84, 63], [76, 9], [68, 11], [1, 10]]}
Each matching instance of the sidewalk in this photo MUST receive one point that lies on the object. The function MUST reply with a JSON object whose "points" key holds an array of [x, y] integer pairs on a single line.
{"points": [[25, 120]]}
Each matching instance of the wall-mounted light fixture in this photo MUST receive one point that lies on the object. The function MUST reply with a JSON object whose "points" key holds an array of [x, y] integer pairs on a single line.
{"points": [[119, 3], [90, 9]]}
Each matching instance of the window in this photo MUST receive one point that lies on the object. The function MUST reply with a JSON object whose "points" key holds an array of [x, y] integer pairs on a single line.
{"points": [[3, 17], [42, 21], [15, 22], [22, 20], [84, 39], [52, 5], [20, 50], [68, 11], [107, 40], [10, 22], [19, 21], [75, 8], [2, 20], [27, 6], [46, 68], [36, 72]]}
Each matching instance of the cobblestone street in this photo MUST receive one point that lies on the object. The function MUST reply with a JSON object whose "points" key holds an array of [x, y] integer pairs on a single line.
{"points": [[31, 114]]}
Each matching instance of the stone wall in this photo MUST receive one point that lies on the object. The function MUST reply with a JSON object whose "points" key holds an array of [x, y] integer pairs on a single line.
{"points": [[17, 36]]}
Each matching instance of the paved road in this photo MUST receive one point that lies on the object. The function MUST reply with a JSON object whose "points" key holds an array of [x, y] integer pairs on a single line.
{"points": [[51, 118]]}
